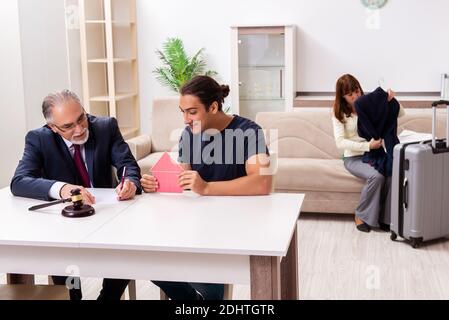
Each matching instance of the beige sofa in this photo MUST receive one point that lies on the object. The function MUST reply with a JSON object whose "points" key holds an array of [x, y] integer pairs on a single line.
{"points": [[309, 161], [304, 150], [167, 125]]}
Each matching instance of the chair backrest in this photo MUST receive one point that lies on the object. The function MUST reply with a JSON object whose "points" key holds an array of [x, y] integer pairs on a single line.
{"points": [[167, 124], [308, 132]]}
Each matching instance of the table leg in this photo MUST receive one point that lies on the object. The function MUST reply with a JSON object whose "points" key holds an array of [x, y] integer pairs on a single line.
{"points": [[132, 290], [289, 271], [265, 278]]}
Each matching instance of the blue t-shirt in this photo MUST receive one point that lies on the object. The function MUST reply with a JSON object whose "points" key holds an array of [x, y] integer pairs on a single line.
{"points": [[221, 156]]}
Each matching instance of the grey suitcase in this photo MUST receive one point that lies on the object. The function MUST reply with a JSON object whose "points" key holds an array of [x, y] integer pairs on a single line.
{"points": [[420, 188]]}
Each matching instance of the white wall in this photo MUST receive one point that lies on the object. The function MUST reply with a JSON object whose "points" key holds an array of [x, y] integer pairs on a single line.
{"points": [[44, 53], [34, 61], [12, 120], [409, 50], [74, 47]]}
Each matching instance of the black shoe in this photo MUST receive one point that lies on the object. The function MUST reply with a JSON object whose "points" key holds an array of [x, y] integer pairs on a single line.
{"points": [[384, 227], [363, 227], [199, 296]]}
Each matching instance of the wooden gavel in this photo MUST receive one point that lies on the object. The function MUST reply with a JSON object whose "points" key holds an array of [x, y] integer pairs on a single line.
{"points": [[77, 210]]}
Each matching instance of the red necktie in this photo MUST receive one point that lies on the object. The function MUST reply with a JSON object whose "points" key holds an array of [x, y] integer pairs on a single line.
{"points": [[80, 167]]}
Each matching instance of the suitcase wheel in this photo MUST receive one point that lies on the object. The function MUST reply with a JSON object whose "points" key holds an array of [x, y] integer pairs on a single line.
{"points": [[415, 242], [393, 236]]}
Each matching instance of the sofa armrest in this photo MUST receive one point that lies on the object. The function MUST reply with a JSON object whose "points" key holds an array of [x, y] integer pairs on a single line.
{"points": [[140, 146]]}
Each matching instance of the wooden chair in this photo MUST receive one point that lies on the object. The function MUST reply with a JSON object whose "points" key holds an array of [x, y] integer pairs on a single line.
{"points": [[26, 282], [22, 287], [33, 292], [131, 290]]}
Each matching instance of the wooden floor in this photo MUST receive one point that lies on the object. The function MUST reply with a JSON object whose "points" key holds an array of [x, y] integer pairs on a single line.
{"points": [[338, 262]]}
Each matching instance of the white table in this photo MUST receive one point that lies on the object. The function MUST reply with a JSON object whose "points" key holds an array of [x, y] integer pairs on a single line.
{"points": [[173, 237]]}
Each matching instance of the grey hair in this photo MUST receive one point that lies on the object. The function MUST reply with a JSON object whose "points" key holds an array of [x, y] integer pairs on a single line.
{"points": [[57, 98]]}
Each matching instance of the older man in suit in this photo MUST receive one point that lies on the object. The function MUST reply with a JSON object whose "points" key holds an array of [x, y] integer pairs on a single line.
{"points": [[75, 150]]}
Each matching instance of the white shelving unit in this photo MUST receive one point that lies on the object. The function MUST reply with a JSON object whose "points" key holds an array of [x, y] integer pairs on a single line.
{"points": [[109, 61], [263, 69]]}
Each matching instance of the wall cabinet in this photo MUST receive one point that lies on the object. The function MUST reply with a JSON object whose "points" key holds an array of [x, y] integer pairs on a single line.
{"points": [[263, 69]]}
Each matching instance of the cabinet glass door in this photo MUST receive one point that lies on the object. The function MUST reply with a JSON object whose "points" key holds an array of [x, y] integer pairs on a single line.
{"points": [[261, 73]]}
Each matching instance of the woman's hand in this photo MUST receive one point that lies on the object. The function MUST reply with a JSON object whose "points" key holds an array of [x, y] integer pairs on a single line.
{"points": [[375, 144], [149, 183], [391, 94], [192, 180]]}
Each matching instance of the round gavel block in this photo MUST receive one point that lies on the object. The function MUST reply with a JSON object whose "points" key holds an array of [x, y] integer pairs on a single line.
{"points": [[81, 212]]}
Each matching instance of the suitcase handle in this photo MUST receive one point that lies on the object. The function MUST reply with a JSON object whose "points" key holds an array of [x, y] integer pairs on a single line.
{"points": [[405, 194], [440, 103], [435, 104]]}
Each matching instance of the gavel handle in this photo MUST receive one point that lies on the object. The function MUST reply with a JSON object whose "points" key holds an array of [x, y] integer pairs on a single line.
{"points": [[40, 206]]}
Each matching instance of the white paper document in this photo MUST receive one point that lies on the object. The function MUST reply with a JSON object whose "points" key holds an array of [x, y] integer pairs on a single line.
{"points": [[412, 136], [104, 196]]}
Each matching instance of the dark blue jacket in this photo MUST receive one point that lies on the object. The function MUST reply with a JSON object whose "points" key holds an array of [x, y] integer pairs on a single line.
{"points": [[46, 159], [378, 119]]}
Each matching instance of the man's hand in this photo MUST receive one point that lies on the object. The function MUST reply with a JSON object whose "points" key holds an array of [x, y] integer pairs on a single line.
{"points": [[88, 198], [149, 183], [192, 180], [127, 192], [391, 94]]}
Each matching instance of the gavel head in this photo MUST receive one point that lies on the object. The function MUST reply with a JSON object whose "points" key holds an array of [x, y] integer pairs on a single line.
{"points": [[76, 198]]}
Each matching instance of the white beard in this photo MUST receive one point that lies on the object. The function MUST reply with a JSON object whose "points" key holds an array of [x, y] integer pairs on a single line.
{"points": [[83, 141]]}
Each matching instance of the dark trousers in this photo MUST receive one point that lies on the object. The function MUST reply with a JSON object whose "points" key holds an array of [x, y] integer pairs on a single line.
{"points": [[188, 291], [112, 288]]}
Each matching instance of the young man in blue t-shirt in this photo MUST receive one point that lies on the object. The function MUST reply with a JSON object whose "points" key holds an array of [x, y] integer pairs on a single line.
{"points": [[222, 155]]}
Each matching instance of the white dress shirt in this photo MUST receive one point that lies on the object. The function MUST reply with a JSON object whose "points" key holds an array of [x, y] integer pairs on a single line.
{"points": [[57, 186]]}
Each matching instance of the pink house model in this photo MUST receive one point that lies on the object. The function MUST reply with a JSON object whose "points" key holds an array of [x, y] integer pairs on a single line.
{"points": [[166, 171]]}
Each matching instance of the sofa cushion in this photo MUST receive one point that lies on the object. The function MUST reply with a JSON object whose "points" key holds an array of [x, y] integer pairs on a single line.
{"points": [[140, 146], [308, 132], [167, 124], [328, 202], [305, 134], [303, 174]]}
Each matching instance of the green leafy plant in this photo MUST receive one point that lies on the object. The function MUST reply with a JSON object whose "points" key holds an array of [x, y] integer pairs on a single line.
{"points": [[227, 109], [178, 67]]}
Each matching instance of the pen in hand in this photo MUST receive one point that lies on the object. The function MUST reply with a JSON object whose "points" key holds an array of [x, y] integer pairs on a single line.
{"points": [[123, 179]]}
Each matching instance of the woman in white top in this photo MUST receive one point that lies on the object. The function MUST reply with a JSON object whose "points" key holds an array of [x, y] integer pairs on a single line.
{"points": [[374, 206]]}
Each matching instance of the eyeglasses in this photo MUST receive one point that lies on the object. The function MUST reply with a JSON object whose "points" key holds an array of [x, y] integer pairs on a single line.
{"points": [[70, 126]]}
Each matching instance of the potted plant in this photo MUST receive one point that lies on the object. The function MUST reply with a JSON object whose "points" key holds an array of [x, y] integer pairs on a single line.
{"points": [[178, 67]]}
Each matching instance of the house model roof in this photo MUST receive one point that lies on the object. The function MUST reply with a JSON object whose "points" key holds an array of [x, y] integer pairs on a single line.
{"points": [[166, 163]]}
